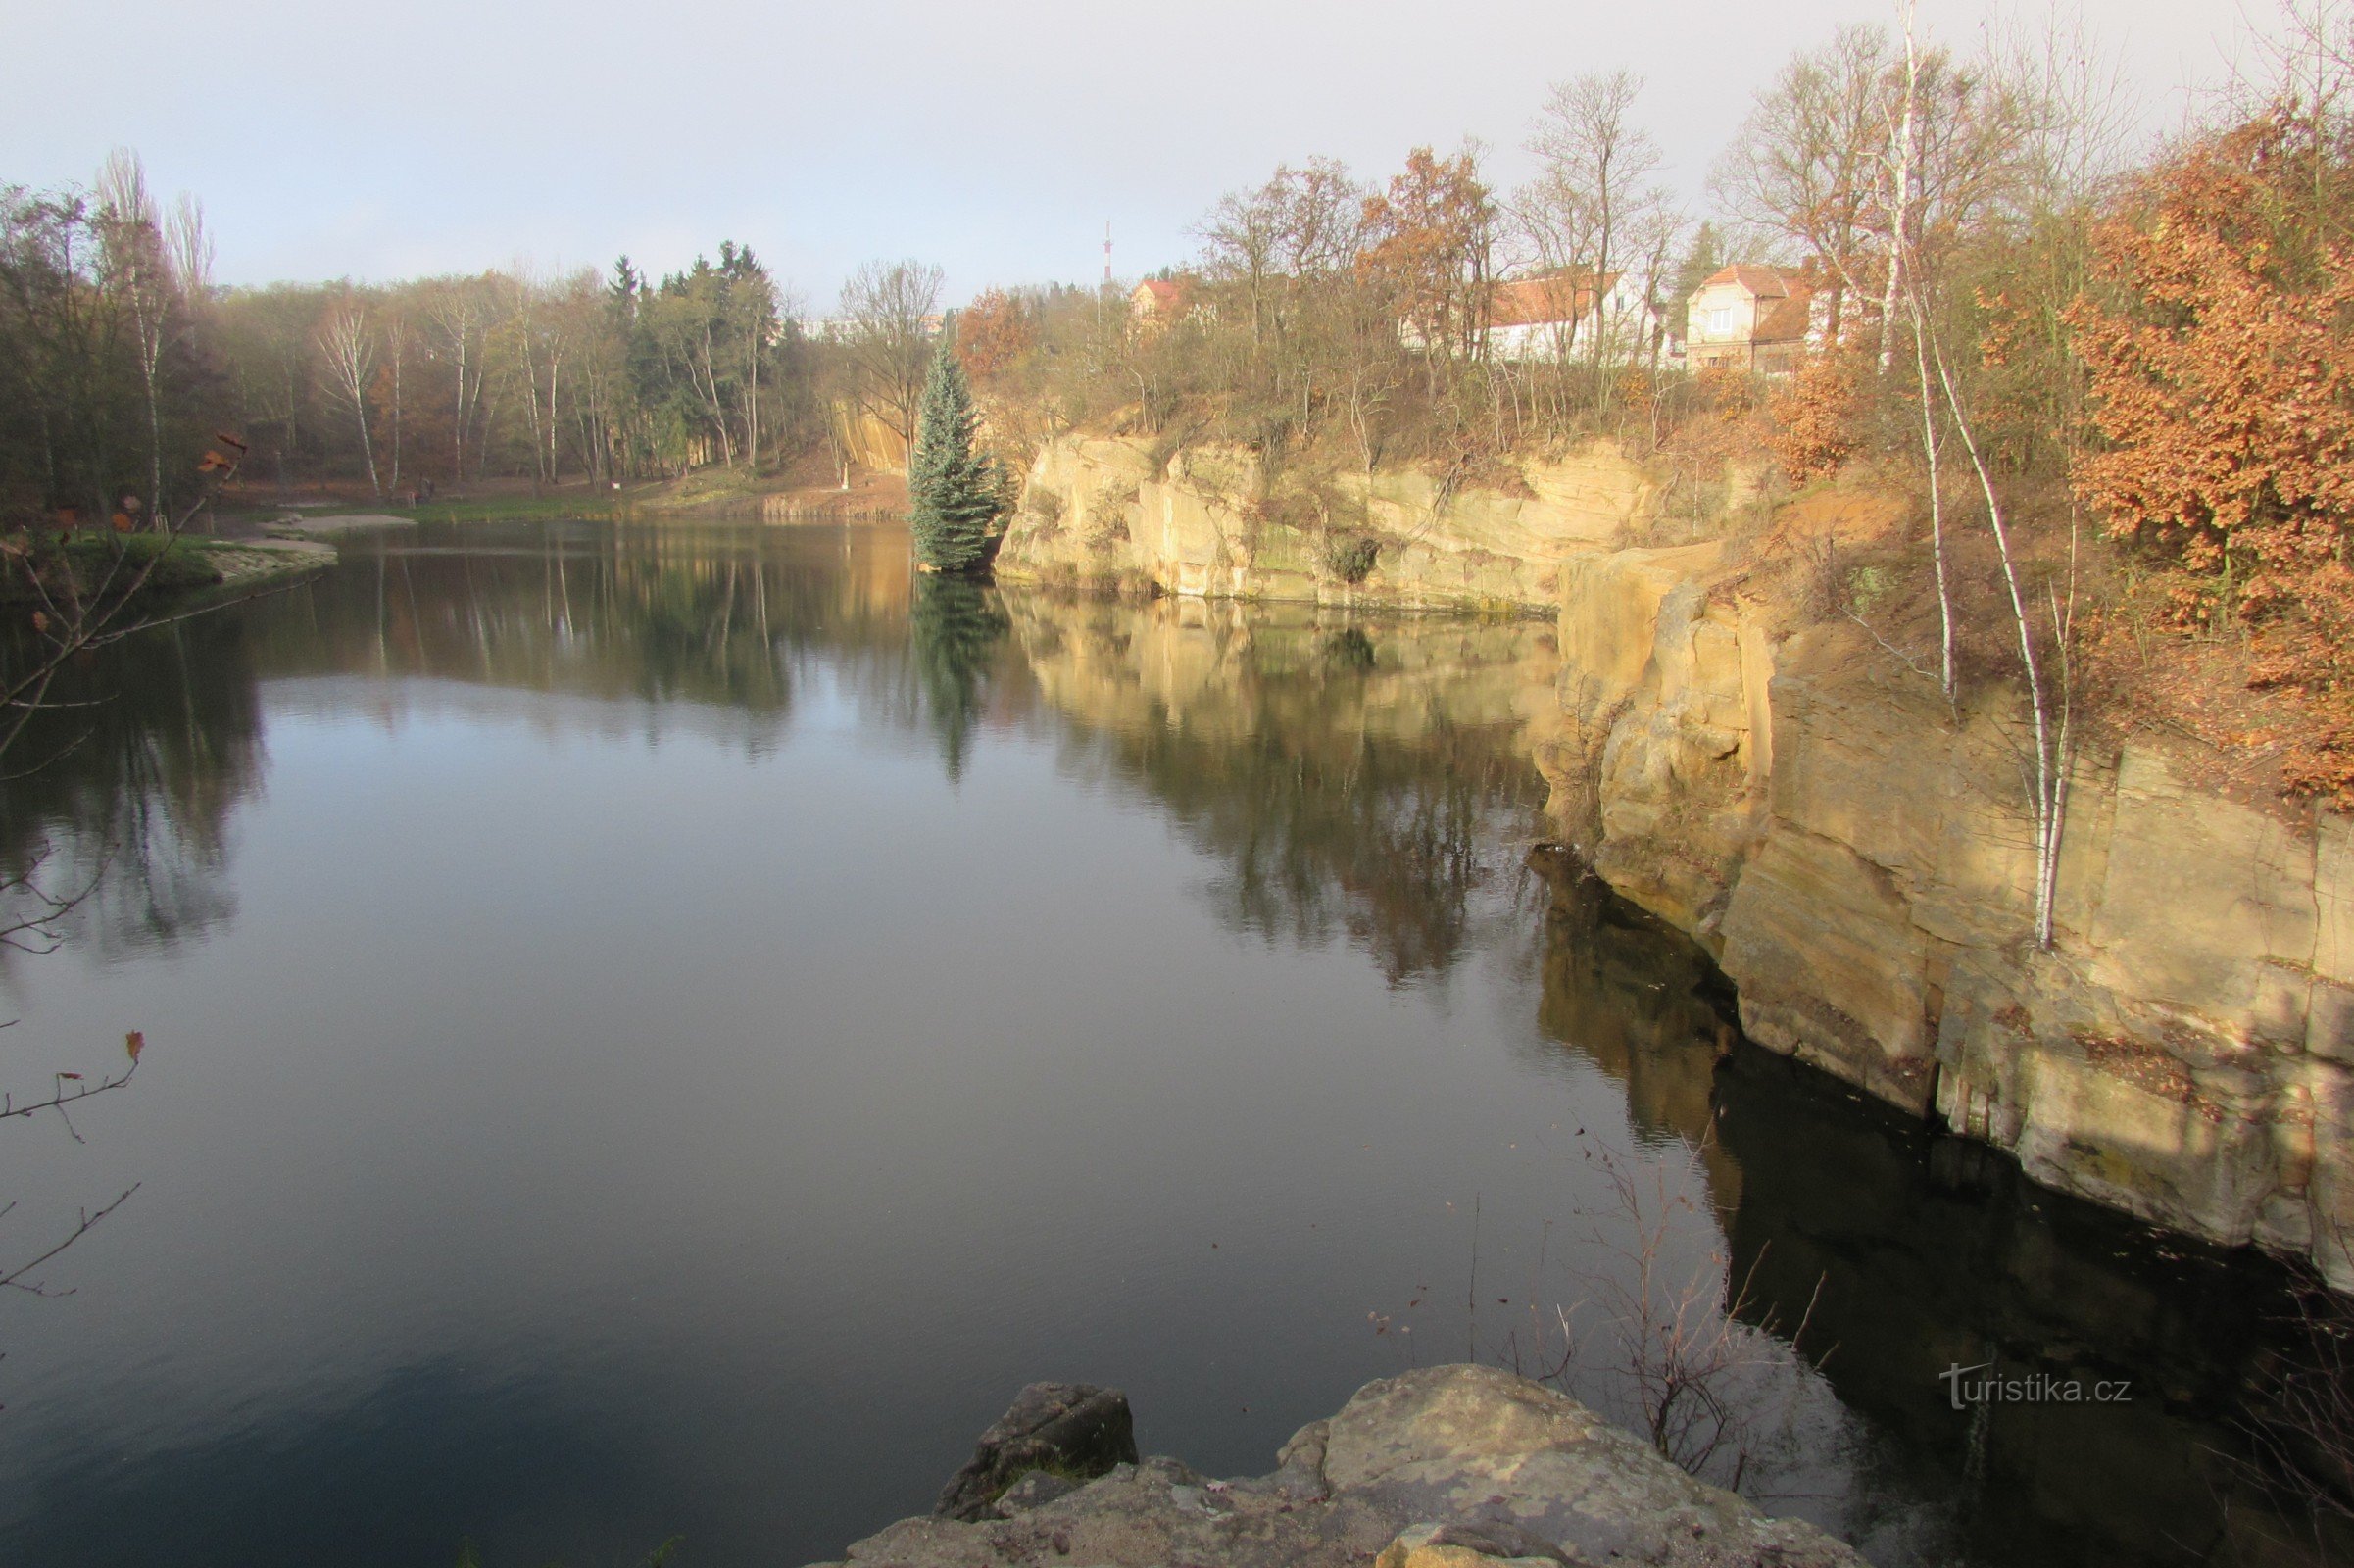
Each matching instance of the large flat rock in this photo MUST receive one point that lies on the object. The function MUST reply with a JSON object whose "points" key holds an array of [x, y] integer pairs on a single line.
{"points": [[1443, 1467]]}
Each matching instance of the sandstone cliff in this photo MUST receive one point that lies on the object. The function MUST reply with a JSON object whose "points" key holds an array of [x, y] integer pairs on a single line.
{"points": [[1859, 860], [1855, 856], [1198, 521]]}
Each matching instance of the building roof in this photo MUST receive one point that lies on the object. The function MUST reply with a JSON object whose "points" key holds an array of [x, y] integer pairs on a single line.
{"points": [[1788, 322], [1563, 298], [1762, 282], [1161, 291]]}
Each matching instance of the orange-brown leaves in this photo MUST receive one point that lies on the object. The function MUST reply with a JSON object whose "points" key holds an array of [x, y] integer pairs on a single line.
{"points": [[2222, 362], [1429, 236], [1817, 418], [992, 332]]}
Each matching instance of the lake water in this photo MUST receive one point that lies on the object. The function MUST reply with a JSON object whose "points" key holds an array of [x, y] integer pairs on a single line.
{"points": [[659, 1031]]}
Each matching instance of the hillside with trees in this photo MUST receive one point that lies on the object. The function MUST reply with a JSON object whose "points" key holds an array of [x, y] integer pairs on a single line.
{"points": [[2107, 380]]}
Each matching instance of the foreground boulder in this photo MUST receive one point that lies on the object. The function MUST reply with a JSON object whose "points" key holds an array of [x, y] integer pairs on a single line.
{"points": [[1064, 1431], [1445, 1468]]}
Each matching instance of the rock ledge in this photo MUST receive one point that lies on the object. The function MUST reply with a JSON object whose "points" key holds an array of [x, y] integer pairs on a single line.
{"points": [[1443, 1467]]}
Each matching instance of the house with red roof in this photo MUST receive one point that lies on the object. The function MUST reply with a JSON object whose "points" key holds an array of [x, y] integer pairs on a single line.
{"points": [[1157, 303], [1554, 316], [1750, 318]]}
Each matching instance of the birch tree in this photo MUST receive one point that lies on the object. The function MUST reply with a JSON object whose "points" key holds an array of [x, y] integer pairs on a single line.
{"points": [[347, 344], [137, 267]]}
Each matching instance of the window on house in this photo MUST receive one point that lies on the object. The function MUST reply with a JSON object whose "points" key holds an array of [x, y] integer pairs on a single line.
{"points": [[1720, 320]]}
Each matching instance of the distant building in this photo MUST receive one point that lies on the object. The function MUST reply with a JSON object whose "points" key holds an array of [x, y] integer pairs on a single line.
{"points": [[843, 328], [1553, 315], [1750, 318], [1159, 302]]}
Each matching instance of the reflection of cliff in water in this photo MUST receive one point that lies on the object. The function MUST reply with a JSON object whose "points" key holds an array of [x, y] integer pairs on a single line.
{"points": [[1355, 777], [1919, 1253]]}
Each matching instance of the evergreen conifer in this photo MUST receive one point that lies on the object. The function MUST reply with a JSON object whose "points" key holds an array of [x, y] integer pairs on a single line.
{"points": [[953, 490]]}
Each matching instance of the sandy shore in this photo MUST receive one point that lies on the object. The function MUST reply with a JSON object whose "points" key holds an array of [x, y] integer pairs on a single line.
{"points": [[298, 527]]}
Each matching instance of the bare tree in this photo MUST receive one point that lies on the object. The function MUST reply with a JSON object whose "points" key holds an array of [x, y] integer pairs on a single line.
{"points": [[1694, 1357], [396, 352], [890, 307], [1241, 239], [456, 308], [1594, 204], [347, 342], [188, 250], [139, 266], [1809, 159]]}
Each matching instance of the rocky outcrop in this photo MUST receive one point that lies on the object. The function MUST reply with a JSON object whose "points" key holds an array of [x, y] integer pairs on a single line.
{"points": [[1057, 1434], [1854, 854], [1445, 1468], [1858, 858], [1208, 520]]}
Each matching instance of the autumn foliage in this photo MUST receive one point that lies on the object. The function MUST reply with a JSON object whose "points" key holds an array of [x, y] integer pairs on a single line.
{"points": [[992, 332], [2222, 366], [1817, 417], [1430, 236]]}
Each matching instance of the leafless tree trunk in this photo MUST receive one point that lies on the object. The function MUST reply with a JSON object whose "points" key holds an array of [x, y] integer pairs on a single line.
{"points": [[347, 343], [396, 344], [1901, 191], [459, 314], [2049, 764], [137, 266]]}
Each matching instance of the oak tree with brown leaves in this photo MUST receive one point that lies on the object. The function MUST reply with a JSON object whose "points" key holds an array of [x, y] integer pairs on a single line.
{"points": [[2221, 350]]}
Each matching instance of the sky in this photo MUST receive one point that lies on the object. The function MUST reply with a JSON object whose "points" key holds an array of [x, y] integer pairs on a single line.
{"points": [[420, 136]]}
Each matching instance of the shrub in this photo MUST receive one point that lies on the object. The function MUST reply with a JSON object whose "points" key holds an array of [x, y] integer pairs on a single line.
{"points": [[1817, 418], [1351, 557]]}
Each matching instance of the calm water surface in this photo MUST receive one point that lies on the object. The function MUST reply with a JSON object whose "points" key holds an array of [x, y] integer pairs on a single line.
{"points": [[661, 1031]]}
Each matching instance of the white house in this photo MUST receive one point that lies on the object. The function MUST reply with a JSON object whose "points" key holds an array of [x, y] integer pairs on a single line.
{"points": [[1749, 317], [1553, 315]]}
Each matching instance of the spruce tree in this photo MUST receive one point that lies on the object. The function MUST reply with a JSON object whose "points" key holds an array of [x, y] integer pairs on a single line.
{"points": [[954, 493]]}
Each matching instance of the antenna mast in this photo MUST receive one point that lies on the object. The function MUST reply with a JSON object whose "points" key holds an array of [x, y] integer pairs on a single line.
{"points": [[1107, 253]]}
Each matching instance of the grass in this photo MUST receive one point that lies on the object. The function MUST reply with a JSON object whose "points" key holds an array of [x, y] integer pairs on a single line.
{"points": [[178, 564], [506, 508]]}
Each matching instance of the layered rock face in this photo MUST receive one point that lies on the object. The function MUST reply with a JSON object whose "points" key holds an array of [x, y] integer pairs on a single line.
{"points": [[1193, 522], [1857, 856], [1859, 860], [1445, 1468]]}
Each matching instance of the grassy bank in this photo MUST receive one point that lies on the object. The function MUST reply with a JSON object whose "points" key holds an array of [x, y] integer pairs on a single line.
{"points": [[95, 565]]}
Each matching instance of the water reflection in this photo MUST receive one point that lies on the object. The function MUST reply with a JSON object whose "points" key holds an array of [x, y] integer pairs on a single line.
{"points": [[1909, 1253], [957, 630], [723, 1175], [119, 797], [711, 616], [1365, 780]]}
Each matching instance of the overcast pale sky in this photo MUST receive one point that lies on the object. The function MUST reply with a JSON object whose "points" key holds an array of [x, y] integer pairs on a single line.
{"points": [[412, 136]]}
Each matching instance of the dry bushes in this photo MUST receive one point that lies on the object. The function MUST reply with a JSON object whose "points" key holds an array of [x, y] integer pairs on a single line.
{"points": [[1818, 417], [2223, 377]]}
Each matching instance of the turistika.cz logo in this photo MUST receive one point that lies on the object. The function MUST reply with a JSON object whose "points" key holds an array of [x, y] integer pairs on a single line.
{"points": [[2034, 1388]]}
